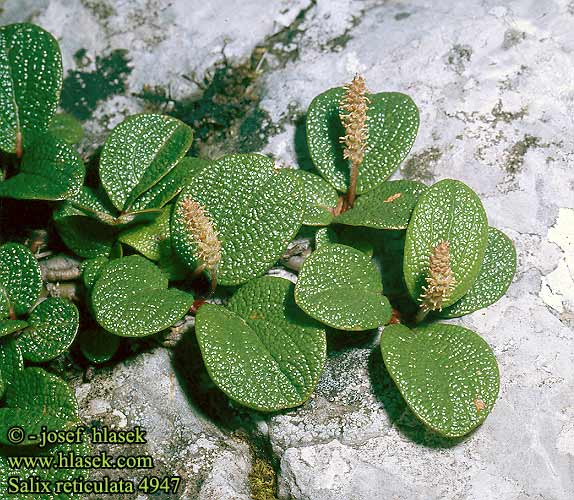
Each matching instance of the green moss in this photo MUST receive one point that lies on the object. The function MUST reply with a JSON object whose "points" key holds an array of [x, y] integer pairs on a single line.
{"points": [[262, 481], [255, 130], [225, 115], [83, 90]]}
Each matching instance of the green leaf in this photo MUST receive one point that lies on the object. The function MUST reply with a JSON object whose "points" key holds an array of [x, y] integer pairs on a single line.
{"points": [[494, 278], [66, 475], [96, 204], [320, 198], [34, 399], [255, 209], [388, 206], [139, 152], [50, 170], [9, 326], [325, 236], [131, 298], [91, 270], [66, 128], [393, 121], [85, 236], [20, 279], [261, 350], [391, 256], [448, 211], [53, 327], [31, 76], [11, 361], [447, 374], [339, 286], [171, 184], [98, 346], [93, 203], [149, 239]]}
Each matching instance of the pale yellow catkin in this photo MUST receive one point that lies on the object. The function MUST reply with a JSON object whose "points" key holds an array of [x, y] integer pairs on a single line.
{"points": [[353, 114], [440, 281], [200, 228]]}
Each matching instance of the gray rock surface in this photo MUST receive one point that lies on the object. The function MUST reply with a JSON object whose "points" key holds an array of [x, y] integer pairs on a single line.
{"points": [[145, 391], [495, 87]]}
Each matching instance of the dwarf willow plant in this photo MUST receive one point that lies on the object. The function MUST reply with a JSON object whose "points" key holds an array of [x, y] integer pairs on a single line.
{"points": [[158, 223]]}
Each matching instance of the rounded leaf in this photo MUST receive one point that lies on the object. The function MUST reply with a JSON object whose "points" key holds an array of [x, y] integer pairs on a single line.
{"points": [[261, 350], [496, 273], [392, 124], [388, 206], [448, 211], [131, 298], [36, 398], [339, 286], [50, 170], [83, 234], [93, 203], [11, 361], [325, 236], [320, 199], [9, 326], [66, 128], [447, 374], [149, 238], [20, 279], [170, 185], [255, 210], [53, 327], [98, 346], [139, 152], [91, 270], [25, 474], [31, 76]]}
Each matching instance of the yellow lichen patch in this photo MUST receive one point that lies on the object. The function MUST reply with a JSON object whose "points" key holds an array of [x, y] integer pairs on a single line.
{"points": [[440, 279], [201, 230]]}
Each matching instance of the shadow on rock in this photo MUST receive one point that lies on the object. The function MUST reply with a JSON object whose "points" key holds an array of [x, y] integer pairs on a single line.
{"points": [[340, 340], [400, 414]]}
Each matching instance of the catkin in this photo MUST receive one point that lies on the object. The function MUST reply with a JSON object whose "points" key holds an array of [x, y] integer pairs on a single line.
{"points": [[440, 281], [353, 114], [200, 228]]}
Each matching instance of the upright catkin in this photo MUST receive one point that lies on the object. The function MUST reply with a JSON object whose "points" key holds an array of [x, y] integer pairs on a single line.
{"points": [[440, 281], [353, 114], [202, 232]]}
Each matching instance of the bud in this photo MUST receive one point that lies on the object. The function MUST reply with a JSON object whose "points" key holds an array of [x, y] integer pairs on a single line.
{"points": [[440, 281]]}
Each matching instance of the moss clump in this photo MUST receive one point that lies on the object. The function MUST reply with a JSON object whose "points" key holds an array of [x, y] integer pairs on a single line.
{"points": [[83, 90], [262, 481], [224, 114]]}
